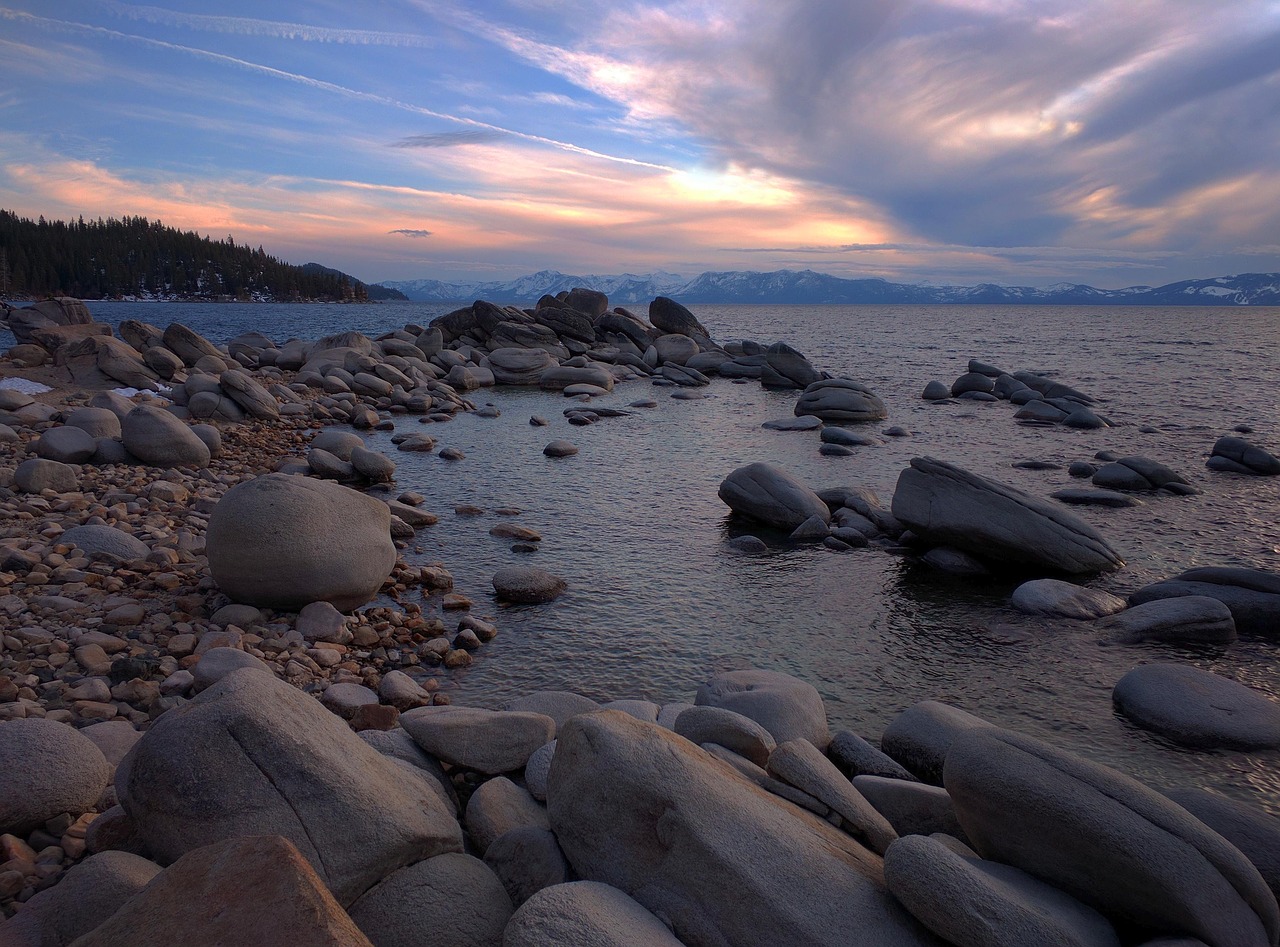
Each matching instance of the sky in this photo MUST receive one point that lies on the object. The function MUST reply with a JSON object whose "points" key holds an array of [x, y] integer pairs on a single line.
{"points": [[1109, 142]]}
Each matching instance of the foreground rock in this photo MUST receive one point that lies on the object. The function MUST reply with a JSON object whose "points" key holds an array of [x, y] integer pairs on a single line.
{"points": [[787, 707], [285, 541], [771, 495], [996, 523], [49, 768], [1106, 839], [1064, 600], [490, 741], [1252, 594], [252, 755], [1198, 708], [721, 860], [585, 913], [239, 891], [159, 439]]}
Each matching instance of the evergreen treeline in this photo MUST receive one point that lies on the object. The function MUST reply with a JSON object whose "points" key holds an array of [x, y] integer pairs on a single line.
{"points": [[107, 259]]}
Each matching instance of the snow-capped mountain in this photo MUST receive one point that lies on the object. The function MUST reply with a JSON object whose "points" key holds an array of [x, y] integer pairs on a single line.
{"points": [[806, 287]]}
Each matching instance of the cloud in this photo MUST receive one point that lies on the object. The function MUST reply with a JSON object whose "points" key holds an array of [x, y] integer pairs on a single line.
{"points": [[447, 139], [411, 233]]}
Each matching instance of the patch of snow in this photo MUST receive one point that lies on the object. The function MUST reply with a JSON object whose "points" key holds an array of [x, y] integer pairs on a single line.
{"points": [[130, 392], [25, 385]]}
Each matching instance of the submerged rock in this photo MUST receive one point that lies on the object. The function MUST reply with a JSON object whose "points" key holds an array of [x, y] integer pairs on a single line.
{"points": [[841, 401], [1198, 708], [771, 495], [1253, 595]]}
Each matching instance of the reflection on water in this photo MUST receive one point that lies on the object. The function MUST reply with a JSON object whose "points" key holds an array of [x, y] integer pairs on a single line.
{"points": [[657, 601]]}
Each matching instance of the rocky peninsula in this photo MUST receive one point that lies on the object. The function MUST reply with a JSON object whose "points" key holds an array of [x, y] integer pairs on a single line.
{"points": [[227, 712]]}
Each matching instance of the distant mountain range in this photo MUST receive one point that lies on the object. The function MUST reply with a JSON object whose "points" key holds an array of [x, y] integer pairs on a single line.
{"points": [[807, 287]]}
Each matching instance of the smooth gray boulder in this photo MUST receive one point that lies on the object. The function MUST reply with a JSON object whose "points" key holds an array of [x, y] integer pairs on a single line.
{"points": [[1140, 473], [801, 764], [60, 771], [784, 367], [246, 391], [187, 344], [90, 892], [920, 737], [841, 401], [96, 422], [159, 439], [1253, 595], [789, 708], [284, 542], [99, 541], [585, 914], [1190, 618], [120, 362], [669, 316], [1237, 455], [36, 474], [373, 465], [772, 496], [723, 861], [217, 663], [451, 900], [252, 755], [855, 757], [1198, 708], [526, 861], [976, 903], [66, 445], [497, 807], [948, 506], [912, 808], [491, 741], [1064, 600], [1106, 839], [731, 730], [558, 705], [520, 366], [338, 443], [1248, 827]]}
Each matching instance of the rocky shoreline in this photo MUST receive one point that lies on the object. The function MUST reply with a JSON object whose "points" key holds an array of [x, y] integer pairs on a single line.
{"points": [[161, 555]]}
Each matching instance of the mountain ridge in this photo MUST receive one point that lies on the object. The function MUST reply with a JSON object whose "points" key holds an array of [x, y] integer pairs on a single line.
{"points": [[809, 287]]}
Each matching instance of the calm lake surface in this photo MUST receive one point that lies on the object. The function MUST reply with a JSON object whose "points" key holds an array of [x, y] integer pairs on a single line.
{"points": [[656, 601]]}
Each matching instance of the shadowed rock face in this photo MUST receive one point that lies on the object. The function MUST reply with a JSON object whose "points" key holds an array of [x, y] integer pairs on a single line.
{"points": [[723, 861], [999, 524], [772, 496]]}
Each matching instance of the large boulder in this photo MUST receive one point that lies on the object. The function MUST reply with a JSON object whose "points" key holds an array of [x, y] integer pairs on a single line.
{"points": [[841, 401], [1190, 618], [159, 439], [585, 914], [238, 891], [120, 362], [787, 707], [784, 367], [669, 316], [50, 768], [1252, 594], [947, 506], [491, 741], [1237, 455], [1249, 828], [245, 391], [187, 344], [721, 860], [1107, 840], [1198, 708], [252, 755], [46, 314], [769, 494], [285, 541], [520, 366]]}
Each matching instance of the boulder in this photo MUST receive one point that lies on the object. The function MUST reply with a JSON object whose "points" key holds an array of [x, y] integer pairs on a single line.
{"points": [[784, 367], [585, 914], [1237, 455], [969, 901], [237, 891], [1198, 708], [921, 736], [527, 585], [499, 806], [451, 900], [520, 366], [162, 361], [1190, 618], [771, 495], [92, 890], [46, 314], [61, 771], [841, 401], [669, 316], [801, 764], [99, 541], [491, 741], [187, 344], [728, 729], [1252, 594], [526, 861], [1064, 600], [253, 755], [96, 422], [723, 861], [787, 707], [912, 808], [338, 443], [1106, 839], [159, 439], [36, 474], [973, 381], [677, 349], [558, 705], [560, 448], [855, 757], [120, 362], [214, 406], [245, 391], [373, 465], [285, 541], [67, 445], [1140, 473], [945, 505], [562, 376], [1248, 827]]}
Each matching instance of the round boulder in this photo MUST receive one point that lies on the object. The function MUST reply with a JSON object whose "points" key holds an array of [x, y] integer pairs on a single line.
{"points": [[771, 495], [38, 474], [284, 542], [96, 422], [841, 401], [159, 439], [61, 771], [527, 585], [67, 445], [1198, 708], [787, 707], [99, 541]]}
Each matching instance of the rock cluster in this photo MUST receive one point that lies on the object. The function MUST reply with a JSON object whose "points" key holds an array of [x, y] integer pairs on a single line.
{"points": [[1040, 400]]}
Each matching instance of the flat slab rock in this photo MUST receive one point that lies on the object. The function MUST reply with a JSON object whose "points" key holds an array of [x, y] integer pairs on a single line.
{"points": [[1198, 708], [1064, 600], [1253, 595]]}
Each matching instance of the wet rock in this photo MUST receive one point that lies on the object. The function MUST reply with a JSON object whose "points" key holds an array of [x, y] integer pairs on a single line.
{"points": [[973, 381], [527, 585], [936, 391], [771, 495], [1105, 839], [284, 542], [1064, 600], [949, 506], [1191, 618], [1085, 496], [784, 367], [805, 422], [560, 448], [1198, 708], [1252, 595], [1237, 455], [372, 465], [1140, 473]]}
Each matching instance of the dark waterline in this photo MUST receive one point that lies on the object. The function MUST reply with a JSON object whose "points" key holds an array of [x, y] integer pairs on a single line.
{"points": [[657, 602]]}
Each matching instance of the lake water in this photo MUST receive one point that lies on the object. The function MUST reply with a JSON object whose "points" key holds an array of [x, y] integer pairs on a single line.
{"points": [[656, 601]]}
